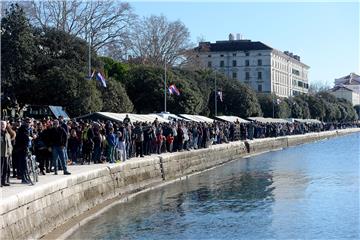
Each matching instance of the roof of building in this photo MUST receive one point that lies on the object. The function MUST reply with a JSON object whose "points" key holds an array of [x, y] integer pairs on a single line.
{"points": [[336, 88], [351, 79], [242, 45], [234, 45]]}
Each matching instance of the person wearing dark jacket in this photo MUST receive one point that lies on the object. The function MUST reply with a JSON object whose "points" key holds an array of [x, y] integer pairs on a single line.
{"points": [[21, 148], [139, 139], [111, 141], [58, 138], [73, 146], [41, 150]]}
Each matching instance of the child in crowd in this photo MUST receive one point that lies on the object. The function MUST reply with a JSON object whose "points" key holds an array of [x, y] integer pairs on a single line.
{"points": [[169, 142]]}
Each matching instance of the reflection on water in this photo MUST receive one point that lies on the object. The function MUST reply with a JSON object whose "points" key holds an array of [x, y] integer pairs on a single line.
{"points": [[309, 191]]}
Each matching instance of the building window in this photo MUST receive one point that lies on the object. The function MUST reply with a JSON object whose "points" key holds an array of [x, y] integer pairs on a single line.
{"points": [[296, 72], [222, 55], [259, 88], [247, 63], [234, 63], [247, 75], [221, 63], [234, 54], [234, 75], [209, 55], [259, 54], [259, 62], [259, 75], [209, 64], [247, 54]]}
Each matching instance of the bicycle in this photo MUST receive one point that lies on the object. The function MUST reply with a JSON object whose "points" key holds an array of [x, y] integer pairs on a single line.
{"points": [[32, 169]]}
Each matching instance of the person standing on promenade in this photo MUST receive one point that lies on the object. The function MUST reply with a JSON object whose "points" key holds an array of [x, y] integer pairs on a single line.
{"points": [[21, 148], [41, 150], [7, 135], [73, 145], [139, 139], [58, 138], [122, 142], [98, 143], [111, 143]]}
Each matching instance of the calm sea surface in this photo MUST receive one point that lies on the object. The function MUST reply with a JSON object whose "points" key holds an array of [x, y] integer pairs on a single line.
{"points": [[305, 192]]}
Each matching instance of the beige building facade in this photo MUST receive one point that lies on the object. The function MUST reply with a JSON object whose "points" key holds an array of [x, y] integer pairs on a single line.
{"points": [[348, 87], [263, 68]]}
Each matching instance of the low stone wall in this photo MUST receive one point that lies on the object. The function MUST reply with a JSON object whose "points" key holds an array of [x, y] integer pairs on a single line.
{"points": [[38, 211], [183, 163]]}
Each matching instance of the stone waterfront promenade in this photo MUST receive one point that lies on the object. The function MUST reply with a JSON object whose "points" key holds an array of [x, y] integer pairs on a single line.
{"points": [[35, 211]]}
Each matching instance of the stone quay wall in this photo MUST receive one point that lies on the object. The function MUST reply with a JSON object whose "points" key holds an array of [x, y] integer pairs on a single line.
{"points": [[36, 212]]}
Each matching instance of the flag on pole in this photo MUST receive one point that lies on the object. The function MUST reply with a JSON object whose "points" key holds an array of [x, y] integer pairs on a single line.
{"points": [[220, 94], [101, 79], [173, 90]]}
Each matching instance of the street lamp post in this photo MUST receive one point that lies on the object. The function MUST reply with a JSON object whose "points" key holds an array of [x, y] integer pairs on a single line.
{"points": [[215, 97], [165, 88]]}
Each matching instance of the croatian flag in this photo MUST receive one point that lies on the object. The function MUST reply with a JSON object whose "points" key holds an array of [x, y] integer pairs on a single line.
{"points": [[173, 90], [101, 79], [220, 95]]}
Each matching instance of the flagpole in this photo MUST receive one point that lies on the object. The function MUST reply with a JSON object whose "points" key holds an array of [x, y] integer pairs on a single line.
{"points": [[89, 33], [89, 36], [215, 96], [165, 88], [273, 101]]}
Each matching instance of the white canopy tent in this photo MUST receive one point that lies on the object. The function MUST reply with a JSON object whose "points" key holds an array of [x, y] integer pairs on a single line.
{"points": [[121, 116], [232, 119], [268, 120], [304, 120], [196, 118], [170, 116]]}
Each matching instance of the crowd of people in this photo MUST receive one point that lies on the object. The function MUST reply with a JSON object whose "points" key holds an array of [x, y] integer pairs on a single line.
{"points": [[57, 143]]}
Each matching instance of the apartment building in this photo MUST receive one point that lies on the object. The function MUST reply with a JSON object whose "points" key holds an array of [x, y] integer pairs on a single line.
{"points": [[262, 67]]}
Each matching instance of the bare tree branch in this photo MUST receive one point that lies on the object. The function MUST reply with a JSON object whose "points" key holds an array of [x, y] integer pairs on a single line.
{"points": [[155, 40], [104, 22]]}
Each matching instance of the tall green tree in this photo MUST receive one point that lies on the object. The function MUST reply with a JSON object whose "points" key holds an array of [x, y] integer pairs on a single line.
{"points": [[239, 100], [357, 110], [272, 105], [145, 86], [61, 72], [316, 107], [300, 102], [115, 98], [17, 54]]}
